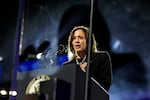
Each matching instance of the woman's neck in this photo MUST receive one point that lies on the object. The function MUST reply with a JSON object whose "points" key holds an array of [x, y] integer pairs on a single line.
{"points": [[80, 54]]}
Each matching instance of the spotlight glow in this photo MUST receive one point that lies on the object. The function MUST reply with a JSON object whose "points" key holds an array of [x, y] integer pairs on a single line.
{"points": [[38, 56], [13, 93], [3, 92], [1, 58], [116, 44]]}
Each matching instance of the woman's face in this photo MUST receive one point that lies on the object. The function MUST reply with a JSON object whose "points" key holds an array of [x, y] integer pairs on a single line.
{"points": [[79, 41]]}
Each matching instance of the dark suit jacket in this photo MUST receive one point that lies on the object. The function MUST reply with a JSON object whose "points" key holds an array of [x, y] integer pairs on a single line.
{"points": [[100, 68]]}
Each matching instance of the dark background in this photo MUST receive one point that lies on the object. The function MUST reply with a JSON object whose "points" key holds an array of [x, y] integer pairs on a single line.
{"points": [[121, 27]]}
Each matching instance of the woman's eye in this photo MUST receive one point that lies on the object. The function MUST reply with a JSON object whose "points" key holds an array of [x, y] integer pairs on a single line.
{"points": [[81, 37], [73, 38]]}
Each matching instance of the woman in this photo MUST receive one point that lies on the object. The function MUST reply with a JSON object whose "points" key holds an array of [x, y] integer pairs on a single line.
{"points": [[100, 66]]}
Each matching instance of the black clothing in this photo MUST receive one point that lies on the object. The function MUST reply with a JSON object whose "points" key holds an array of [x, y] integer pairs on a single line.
{"points": [[100, 68]]}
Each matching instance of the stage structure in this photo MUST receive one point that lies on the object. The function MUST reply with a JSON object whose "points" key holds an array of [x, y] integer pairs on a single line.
{"points": [[58, 83]]}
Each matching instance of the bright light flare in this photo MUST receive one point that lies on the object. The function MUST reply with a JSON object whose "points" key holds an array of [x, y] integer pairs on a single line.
{"points": [[3, 92]]}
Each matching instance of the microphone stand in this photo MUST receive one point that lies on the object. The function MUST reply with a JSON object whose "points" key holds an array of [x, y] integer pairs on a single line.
{"points": [[89, 54]]}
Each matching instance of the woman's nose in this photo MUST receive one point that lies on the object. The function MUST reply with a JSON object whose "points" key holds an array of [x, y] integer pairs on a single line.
{"points": [[77, 39]]}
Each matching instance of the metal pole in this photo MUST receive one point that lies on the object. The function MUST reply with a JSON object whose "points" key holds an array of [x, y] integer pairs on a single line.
{"points": [[89, 54], [19, 29]]}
